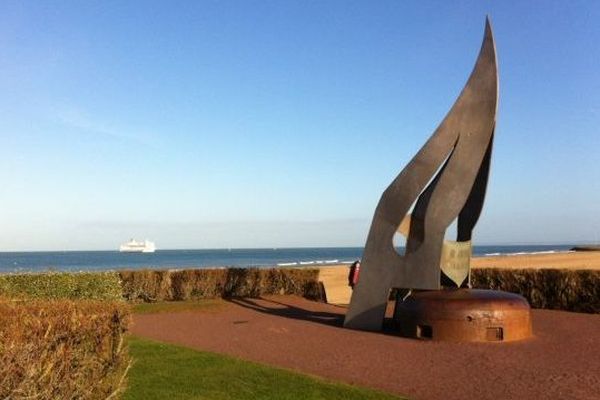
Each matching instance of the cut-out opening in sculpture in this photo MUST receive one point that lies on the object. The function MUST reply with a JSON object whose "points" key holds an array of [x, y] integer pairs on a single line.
{"points": [[424, 332], [452, 230], [399, 241], [390, 307], [401, 236]]}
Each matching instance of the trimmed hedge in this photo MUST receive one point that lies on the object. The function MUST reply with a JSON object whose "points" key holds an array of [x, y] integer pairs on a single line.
{"points": [[569, 290], [145, 285], [62, 285], [62, 349], [164, 285], [558, 289]]}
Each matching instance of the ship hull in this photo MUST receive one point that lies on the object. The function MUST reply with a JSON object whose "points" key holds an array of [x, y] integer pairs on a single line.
{"points": [[137, 247]]}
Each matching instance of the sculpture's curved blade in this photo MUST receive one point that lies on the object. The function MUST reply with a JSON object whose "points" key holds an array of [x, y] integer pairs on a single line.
{"points": [[462, 144]]}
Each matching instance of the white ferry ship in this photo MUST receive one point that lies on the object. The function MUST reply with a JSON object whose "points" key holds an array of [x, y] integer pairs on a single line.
{"points": [[134, 246]]}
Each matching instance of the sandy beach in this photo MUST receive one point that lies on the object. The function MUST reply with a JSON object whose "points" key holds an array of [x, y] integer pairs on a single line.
{"points": [[568, 260], [335, 278]]}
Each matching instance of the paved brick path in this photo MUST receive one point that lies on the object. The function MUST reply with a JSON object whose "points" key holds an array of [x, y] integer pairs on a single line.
{"points": [[562, 362]]}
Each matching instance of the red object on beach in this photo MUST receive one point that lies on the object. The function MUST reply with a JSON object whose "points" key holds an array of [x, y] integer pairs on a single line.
{"points": [[353, 274]]}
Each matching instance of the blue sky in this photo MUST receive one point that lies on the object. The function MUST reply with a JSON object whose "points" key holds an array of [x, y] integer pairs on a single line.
{"points": [[279, 123]]}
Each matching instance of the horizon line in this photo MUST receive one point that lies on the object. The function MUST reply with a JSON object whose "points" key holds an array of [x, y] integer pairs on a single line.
{"points": [[574, 243]]}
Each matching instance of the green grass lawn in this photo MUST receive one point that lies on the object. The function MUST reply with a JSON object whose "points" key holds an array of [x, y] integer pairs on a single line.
{"points": [[164, 371]]}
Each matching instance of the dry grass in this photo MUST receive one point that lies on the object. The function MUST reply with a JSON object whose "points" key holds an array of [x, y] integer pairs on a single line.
{"points": [[62, 349], [195, 284]]}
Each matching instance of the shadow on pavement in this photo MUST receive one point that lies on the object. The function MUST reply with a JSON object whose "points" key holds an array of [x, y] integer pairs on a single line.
{"points": [[286, 310]]}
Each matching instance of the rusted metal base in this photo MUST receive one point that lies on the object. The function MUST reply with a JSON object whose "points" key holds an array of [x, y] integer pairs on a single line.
{"points": [[464, 315]]}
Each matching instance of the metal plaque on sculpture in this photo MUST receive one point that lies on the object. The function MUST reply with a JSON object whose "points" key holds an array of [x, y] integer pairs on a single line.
{"points": [[455, 261]]}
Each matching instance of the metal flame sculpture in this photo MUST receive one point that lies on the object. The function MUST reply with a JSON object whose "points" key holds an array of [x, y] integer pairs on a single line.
{"points": [[447, 179]]}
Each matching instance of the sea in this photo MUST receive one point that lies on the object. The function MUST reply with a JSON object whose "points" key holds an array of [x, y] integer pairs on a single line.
{"points": [[18, 262]]}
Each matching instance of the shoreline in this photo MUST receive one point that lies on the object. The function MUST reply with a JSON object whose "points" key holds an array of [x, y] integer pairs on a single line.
{"points": [[555, 259]]}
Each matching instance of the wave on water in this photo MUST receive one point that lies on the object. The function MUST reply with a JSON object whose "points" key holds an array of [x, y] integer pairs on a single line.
{"points": [[315, 262]]}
